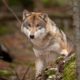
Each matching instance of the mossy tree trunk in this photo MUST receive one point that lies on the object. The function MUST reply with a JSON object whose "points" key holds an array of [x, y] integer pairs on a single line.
{"points": [[76, 22]]}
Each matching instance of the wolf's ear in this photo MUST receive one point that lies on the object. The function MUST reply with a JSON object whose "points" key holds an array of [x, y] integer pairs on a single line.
{"points": [[25, 14], [44, 16]]}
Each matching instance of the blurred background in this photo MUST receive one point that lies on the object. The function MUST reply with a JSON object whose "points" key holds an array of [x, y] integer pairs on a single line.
{"points": [[15, 44]]}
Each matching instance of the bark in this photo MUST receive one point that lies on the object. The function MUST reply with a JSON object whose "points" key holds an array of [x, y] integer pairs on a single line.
{"points": [[76, 21]]}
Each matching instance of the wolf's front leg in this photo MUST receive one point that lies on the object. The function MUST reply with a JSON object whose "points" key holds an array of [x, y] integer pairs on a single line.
{"points": [[40, 69], [40, 66], [40, 63]]}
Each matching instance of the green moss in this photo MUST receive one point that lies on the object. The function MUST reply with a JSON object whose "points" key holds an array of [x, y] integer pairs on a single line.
{"points": [[70, 70], [5, 73], [50, 72]]}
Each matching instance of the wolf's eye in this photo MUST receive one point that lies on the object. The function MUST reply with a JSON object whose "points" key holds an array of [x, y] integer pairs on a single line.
{"points": [[28, 26], [39, 26]]}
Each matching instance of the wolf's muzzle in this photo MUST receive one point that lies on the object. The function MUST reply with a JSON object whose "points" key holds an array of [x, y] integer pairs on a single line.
{"points": [[32, 36]]}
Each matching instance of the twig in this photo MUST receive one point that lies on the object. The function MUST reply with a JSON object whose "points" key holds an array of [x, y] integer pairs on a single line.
{"points": [[17, 75], [4, 2], [26, 73]]}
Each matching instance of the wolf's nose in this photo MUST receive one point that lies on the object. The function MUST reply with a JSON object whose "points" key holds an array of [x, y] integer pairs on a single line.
{"points": [[32, 36]]}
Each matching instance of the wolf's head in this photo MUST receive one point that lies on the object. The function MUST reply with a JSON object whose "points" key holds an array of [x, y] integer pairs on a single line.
{"points": [[34, 24]]}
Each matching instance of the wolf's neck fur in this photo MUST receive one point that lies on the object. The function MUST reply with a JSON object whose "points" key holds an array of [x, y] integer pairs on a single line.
{"points": [[42, 43]]}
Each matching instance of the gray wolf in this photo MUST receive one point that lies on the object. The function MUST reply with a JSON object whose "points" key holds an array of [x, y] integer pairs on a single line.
{"points": [[45, 37]]}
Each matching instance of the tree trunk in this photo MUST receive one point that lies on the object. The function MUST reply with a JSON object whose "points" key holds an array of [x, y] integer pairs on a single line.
{"points": [[76, 22]]}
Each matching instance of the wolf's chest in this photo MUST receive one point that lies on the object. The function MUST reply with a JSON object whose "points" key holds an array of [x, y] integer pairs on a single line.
{"points": [[47, 46], [40, 44]]}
